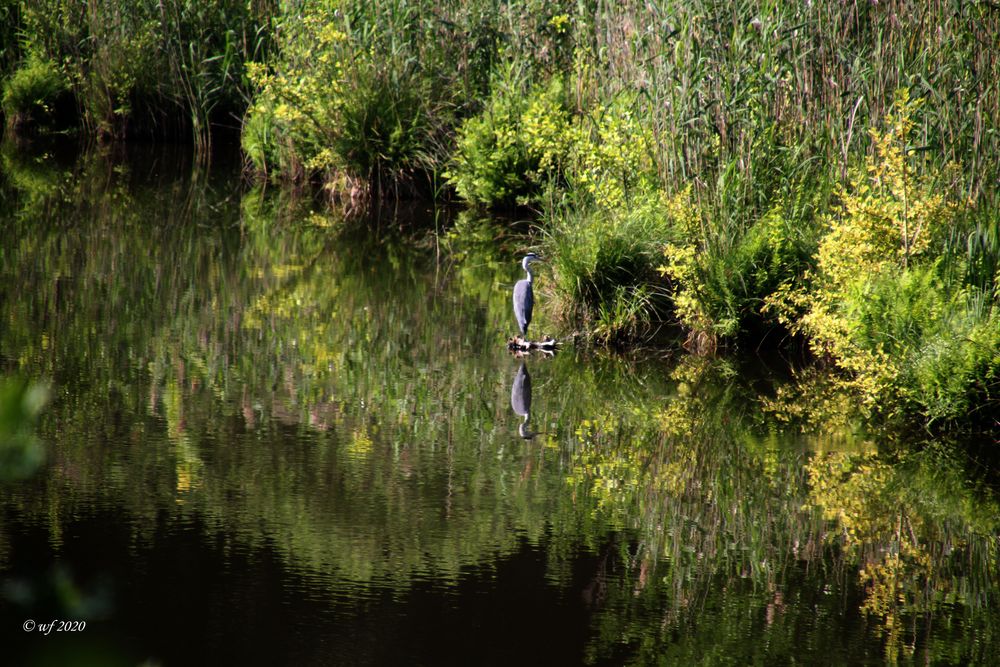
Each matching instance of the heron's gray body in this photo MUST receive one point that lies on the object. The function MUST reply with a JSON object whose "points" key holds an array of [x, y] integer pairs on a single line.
{"points": [[524, 301], [524, 295]]}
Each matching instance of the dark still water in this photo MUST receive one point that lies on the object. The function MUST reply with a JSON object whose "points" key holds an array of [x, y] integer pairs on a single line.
{"points": [[276, 437]]}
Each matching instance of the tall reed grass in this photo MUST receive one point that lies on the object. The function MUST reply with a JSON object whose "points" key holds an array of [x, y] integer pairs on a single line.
{"points": [[164, 69]]}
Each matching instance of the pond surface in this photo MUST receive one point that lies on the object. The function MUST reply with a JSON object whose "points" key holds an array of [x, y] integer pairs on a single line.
{"points": [[276, 437]]}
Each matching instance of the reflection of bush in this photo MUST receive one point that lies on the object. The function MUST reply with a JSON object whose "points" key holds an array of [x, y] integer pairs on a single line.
{"points": [[906, 526], [20, 450], [36, 180], [718, 504], [695, 481]]}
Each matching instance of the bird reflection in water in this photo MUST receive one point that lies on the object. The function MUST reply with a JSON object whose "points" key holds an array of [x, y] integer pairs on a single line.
{"points": [[520, 401]]}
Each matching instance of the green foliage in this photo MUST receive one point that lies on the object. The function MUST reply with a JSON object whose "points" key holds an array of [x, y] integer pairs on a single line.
{"points": [[524, 141], [289, 121], [9, 47], [32, 95], [720, 280], [104, 53], [386, 128], [132, 66], [353, 95], [906, 339], [514, 146], [604, 266], [611, 160], [945, 342], [974, 251], [755, 229], [258, 139]]}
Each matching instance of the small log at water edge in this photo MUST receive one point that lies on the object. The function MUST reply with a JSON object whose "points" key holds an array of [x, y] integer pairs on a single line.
{"points": [[520, 344]]}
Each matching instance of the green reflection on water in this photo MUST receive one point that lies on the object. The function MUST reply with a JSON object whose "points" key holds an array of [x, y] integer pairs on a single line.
{"points": [[344, 395]]}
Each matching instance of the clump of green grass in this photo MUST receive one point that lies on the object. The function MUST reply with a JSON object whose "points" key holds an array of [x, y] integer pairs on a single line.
{"points": [[604, 266], [972, 252]]}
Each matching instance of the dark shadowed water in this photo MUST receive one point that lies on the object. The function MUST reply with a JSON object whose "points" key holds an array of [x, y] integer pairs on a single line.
{"points": [[276, 437]]}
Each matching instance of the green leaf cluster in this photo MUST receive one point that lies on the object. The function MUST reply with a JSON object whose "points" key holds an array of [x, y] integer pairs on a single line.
{"points": [[31, 95], [510, 150], [881, 303]]}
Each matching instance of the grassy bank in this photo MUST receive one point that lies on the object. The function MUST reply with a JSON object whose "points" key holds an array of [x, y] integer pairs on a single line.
{"points": [[751, 171]]}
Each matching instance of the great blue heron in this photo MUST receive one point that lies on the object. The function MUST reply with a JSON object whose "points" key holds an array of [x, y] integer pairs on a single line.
{"points": [[524, 296]]}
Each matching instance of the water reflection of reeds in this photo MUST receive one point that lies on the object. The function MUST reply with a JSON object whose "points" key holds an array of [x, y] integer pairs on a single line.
{"points": [[348, 403]]}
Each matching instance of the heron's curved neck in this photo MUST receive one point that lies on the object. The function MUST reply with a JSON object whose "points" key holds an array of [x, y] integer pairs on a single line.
{"points": [[527, 267]]}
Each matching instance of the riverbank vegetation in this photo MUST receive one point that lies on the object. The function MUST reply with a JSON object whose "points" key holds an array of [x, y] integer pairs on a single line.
{"points": [[135, 70], [812, 172]]}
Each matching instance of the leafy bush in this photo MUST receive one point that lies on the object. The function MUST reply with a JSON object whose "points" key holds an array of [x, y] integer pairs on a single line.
{"points": [[943, 343], [720, 284], [34, 94], [9, 26], [519, 141], [611, 161], [348, 99], [878, 303], [524, 140]]}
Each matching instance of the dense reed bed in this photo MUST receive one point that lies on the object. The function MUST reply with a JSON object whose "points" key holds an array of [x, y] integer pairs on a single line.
{"points": [[752, 171], [114, 70]]}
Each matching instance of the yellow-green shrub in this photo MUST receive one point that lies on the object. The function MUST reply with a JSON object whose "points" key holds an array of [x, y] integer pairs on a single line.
{"points": [[348, 100], [611, 156], [719, 282], [522, 142], [517, 143], [877, 303]]}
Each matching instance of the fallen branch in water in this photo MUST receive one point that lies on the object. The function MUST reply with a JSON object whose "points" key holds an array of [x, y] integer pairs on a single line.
{"points": [[519, 344]]}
